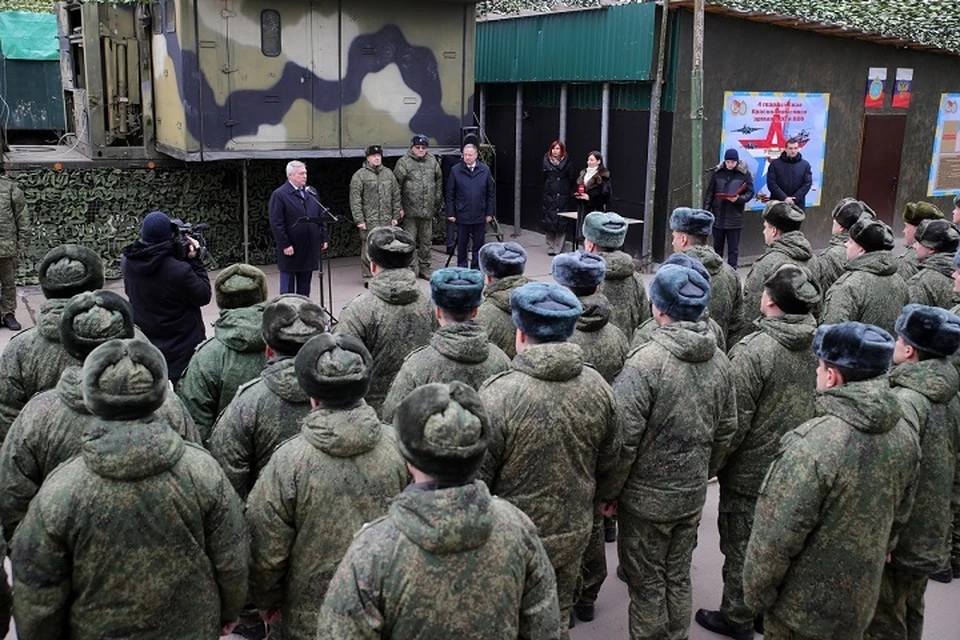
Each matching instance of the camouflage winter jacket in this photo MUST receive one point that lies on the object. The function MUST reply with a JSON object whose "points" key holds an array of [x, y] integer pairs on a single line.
{"points": [[495, 314], [678, 414], [444, 563], [374, 196], [265, 412], [643, 333], [604, 345], [553, 443], [927, 392], [6, 596], [726, 299], [456, 352], [834, 499], [392, 319], [317, 491], [908, 264], [49, 431], [624, 288], [421, 185], [141, 536], [775, 376], [234, 356], [790, 248], [869, 291], [832, 260], [14, 219], [933, 283]]}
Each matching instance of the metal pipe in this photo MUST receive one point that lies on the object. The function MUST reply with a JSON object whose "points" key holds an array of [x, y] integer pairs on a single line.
{"points": [[123, 99], [562, 137], [482, 107], [653, 137], [605, 120], [110, 87], [517, 150], [246, 216], [696, 106]]}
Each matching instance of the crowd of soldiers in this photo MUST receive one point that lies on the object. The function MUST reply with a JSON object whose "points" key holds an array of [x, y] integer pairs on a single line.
{"points": [[451, 465]]}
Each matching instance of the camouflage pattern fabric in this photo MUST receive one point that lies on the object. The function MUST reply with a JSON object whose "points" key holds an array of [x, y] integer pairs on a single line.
{"points": [[593, 566], [828, 509], [791, 247], [14, 219], [726, 293], [234, 356], [317, 491], [908, 264], [734, 528], [445, 563], [494, 313], [374, 196], [6, 596], [540, 411], [421, 185], [624, 288], [182, 531], [458, 351], [775, 629], [604, 345], [422, 231], [833, 260], [264, 413], [869, 291], [391, 319], [48, 432], [643, 333], [899, 611], [933, 283]]}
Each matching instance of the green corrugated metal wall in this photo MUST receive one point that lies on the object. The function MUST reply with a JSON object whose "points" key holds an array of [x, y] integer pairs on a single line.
{"points": [[623, 97]]}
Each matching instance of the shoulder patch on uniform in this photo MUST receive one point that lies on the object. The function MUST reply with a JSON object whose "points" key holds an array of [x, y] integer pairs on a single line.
{"points": [[494, 377], [247, 385], [201, 345], [415, 351], [809, 426]]}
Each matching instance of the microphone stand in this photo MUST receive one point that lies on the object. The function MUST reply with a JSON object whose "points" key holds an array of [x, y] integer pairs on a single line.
{"points": [[324, 276]]}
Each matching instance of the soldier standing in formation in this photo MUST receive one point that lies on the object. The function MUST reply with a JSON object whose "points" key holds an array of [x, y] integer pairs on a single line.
{"points": [[421, 197], [14, 225], [502, 265], [374, 201], [913, 214], [936, 244], [833, 259]]}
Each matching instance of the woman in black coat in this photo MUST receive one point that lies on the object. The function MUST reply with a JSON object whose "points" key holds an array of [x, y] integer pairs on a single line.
{"points": [[593, 189], [558, 181]]}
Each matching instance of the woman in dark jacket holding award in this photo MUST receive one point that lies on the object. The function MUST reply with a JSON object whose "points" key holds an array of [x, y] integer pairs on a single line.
{"points": [[558, 187], [593, 189], [731, 188]]}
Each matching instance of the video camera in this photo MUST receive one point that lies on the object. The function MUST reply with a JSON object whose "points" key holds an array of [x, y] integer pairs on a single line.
{"points": [[183, 230]]}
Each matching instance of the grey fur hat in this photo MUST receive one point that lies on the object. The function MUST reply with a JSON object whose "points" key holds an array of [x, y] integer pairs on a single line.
{"points": [[605, 229], [679, 292], [793, 289], [92, 318], [696, 222], [502, 259], [334, 369], [855, 346], [784, 216], [579, 269], [124, 380], [456, 288], [545, 311], [930, 329], [872, 234], [70, 269], [240, 285], [849, 210], [940, 235], [391, 247], [289, 321]]}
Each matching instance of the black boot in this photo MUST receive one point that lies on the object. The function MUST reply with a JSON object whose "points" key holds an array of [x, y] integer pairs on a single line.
{"points": [[573, 620], [716, 622], [955, 565], [584, 612], [945, 575], [10, 322], [610, 531]]}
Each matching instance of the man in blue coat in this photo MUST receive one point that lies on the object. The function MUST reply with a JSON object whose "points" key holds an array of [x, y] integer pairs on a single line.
{"points": [[789, 177], [297, 242], [470, 203]]}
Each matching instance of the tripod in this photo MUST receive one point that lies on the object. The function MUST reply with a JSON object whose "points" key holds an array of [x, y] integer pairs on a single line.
{"points": [[324, 276]]}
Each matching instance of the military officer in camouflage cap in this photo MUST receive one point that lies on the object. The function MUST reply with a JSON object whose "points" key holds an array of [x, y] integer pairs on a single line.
{"points": [[870, 290], [554, 436], [502, 265], [913, 214], [449, 560], [832, 259], [836, 495], [774, 374], [925, 383], [235, 354], [138, 536], [421, 197], [267, 410], [936, 244], [604, 234], [678, 414], [394, 317], [690, 228], [50, 428], [458, 350], [320, 487], [33, 360], [374, 201]]}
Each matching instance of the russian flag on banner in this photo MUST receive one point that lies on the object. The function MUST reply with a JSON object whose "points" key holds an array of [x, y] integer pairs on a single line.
{"points": [[876, 88], [903, 88]]}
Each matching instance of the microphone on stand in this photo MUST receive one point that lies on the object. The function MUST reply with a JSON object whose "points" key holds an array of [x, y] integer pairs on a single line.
{"points": [[310, 191]]}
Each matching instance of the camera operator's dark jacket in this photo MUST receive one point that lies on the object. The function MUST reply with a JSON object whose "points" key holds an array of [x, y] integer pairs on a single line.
{"points": [[166, 295]]}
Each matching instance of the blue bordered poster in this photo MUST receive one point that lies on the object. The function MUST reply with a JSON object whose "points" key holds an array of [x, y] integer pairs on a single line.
{"points": [[945, 167]]}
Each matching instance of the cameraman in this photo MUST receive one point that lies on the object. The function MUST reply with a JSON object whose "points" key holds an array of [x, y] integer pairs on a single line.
{"points": [[166, 284]]}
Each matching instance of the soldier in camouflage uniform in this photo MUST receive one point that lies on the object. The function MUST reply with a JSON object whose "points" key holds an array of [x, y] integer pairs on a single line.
{"points": [[374, 201], [140, 535], [925, 383], [689, 229], [14, 223], [320, 487], [774, 374], [458, 350], [834, 257], [554, 436], [6, 597], [502, 265], [235, 354], [913, 215], [785, 243], [936, 245], [604, 234], [33, 360], [835, 496], [678, 413], [421, 197], [870, 290], [394, 317], [269, 409], [49, 430], [952, 568], [449, 560]]}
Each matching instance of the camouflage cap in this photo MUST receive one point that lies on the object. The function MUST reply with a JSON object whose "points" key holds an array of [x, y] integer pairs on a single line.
{"points": [[545, 311], [930, 329], [70, 269], [240, 285], [92, 318], [443, 430], [289, 321], [124, 380], [391, 247], [606, 230], [940, 235], [849, 210], [872, 234], [916, 212], [680, 293], [854, 345], [334, 369], [456, 289], [696, 222], [783, 215], [502, 259], [792, 288], [579, 269]]}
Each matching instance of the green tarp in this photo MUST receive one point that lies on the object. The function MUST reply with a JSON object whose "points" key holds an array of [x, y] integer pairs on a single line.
{"points": [[29, 36]]}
